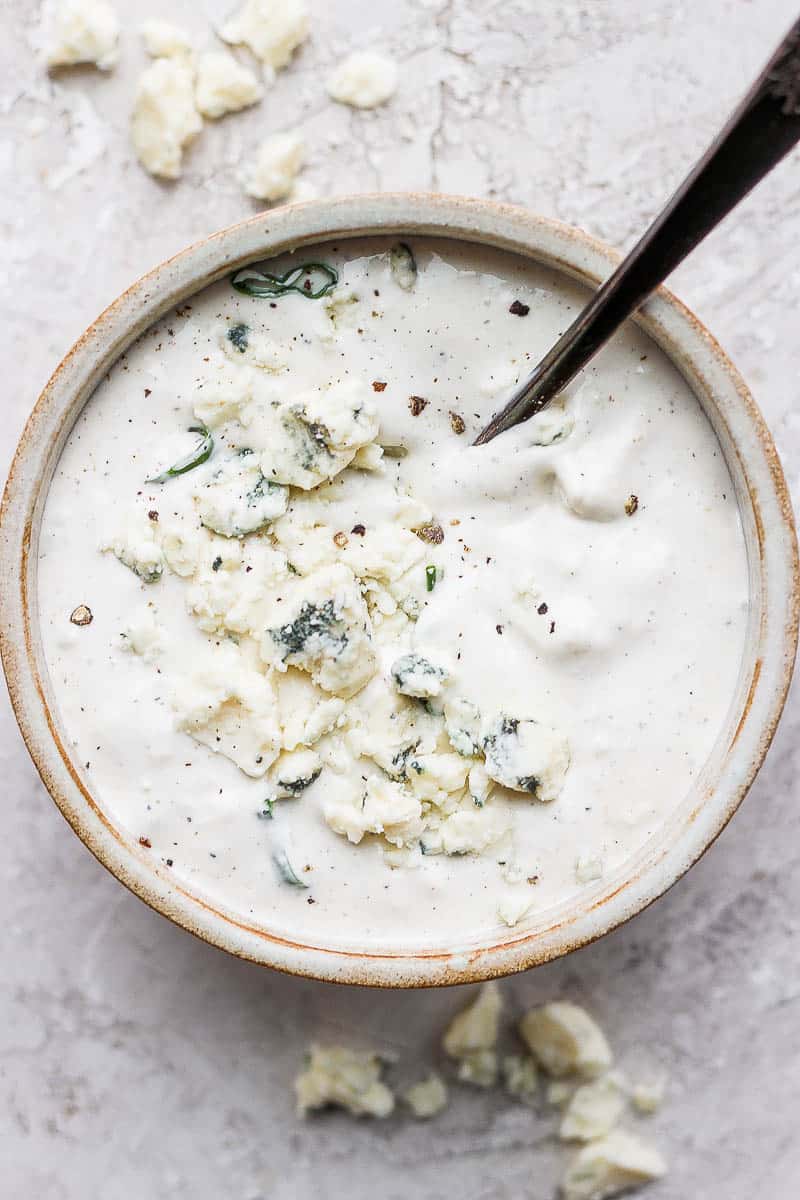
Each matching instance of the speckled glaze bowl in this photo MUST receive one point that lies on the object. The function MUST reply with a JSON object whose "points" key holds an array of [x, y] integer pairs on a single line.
{"points": [[773, 578]]}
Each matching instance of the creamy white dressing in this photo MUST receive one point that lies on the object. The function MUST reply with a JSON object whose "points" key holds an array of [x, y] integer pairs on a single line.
{"points": [[618, 623]]}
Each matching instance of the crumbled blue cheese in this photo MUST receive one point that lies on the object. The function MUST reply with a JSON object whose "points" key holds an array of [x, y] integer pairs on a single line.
{"points": [[223, 85], [162, 39], [427, 1098], [324, 630], [238, 499], [368, 458], [230, 708], [349, 1079], [242, 344], [81, 31], [272, 29], [559, 1091], [384, 807], [563, 1039], [403, 266], [183, 546], [414, 675], [389, 730], [308, 439], [294, 772], [471, 1038], [593, 1110], [527, 756], [272, 172], [306, 714], [136, 546], [588, 868], [480, 1069], [473, 830], [143, 635], [479, 783], [611, 1165], [342, 308], [462, 721], [476, 1028], [435, 777], [648, 1095], [552, 425], [521, 1077], [228, 590], [514, 904], [364, 80], [165, 118]]}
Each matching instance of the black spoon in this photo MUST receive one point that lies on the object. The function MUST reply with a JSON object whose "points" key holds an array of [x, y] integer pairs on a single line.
{"points": [[763, 129]]}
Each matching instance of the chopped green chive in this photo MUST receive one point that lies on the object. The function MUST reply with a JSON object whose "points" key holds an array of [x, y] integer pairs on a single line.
{"points": [[300, 279], [430, 578], [286, 870], [195, 458]]}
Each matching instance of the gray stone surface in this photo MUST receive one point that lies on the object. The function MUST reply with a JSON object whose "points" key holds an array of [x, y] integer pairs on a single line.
{"points": [[138, 1062]]}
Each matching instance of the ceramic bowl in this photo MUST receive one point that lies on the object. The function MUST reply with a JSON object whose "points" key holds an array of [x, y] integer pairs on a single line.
{"points": [[766, 520]]}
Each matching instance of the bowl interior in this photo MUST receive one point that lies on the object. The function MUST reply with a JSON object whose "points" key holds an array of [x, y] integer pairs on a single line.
{"points": [[766, 521]]}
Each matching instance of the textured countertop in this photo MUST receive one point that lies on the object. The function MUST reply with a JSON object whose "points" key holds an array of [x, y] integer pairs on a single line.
{"points": [[137, 1062]]}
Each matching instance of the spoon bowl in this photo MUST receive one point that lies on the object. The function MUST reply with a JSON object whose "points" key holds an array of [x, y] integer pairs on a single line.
{"points": [[755, 706]]}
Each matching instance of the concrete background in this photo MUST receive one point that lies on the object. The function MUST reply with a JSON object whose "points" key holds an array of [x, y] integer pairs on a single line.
{"points": [[137, 1062]]}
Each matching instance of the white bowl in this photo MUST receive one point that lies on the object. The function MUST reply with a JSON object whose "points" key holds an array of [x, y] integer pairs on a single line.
{"points": [[768, 529]]}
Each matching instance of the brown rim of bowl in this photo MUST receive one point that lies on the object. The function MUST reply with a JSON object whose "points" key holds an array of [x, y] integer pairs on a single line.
{"points": [[772, 555]]}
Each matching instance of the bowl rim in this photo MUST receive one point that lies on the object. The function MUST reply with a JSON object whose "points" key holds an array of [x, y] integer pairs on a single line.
{"points": [[773, 565]]}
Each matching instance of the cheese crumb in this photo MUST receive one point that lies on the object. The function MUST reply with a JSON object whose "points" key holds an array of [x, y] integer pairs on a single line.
{"points": [[164, 118], [648, 1096], [82, 31], [272, 174], [135, 545], [559, 1091], [345, 1078], [521, 1077], [609, 1166], [143, 636], [588, 868], [515, 904], [272, 29], [223, 85], [563, 1038], [480, 1068], [324, 629], [229, 707], [476, 1027], [384, 808], [527, 756], [162, 39], [427, 1098], [364, 80], [592, 1111]]}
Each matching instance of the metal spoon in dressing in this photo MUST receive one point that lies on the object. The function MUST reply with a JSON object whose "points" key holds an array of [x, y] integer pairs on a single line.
{"points": [[758, 134]]}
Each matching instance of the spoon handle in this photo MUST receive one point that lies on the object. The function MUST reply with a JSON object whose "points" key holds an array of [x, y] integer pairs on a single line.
{"points": [[764, 128]]}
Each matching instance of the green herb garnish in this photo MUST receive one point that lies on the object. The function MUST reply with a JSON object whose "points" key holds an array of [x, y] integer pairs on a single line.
{"points": [[430, 578], [298, 279], [196, 458], [286, 870], [267, 812]]}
